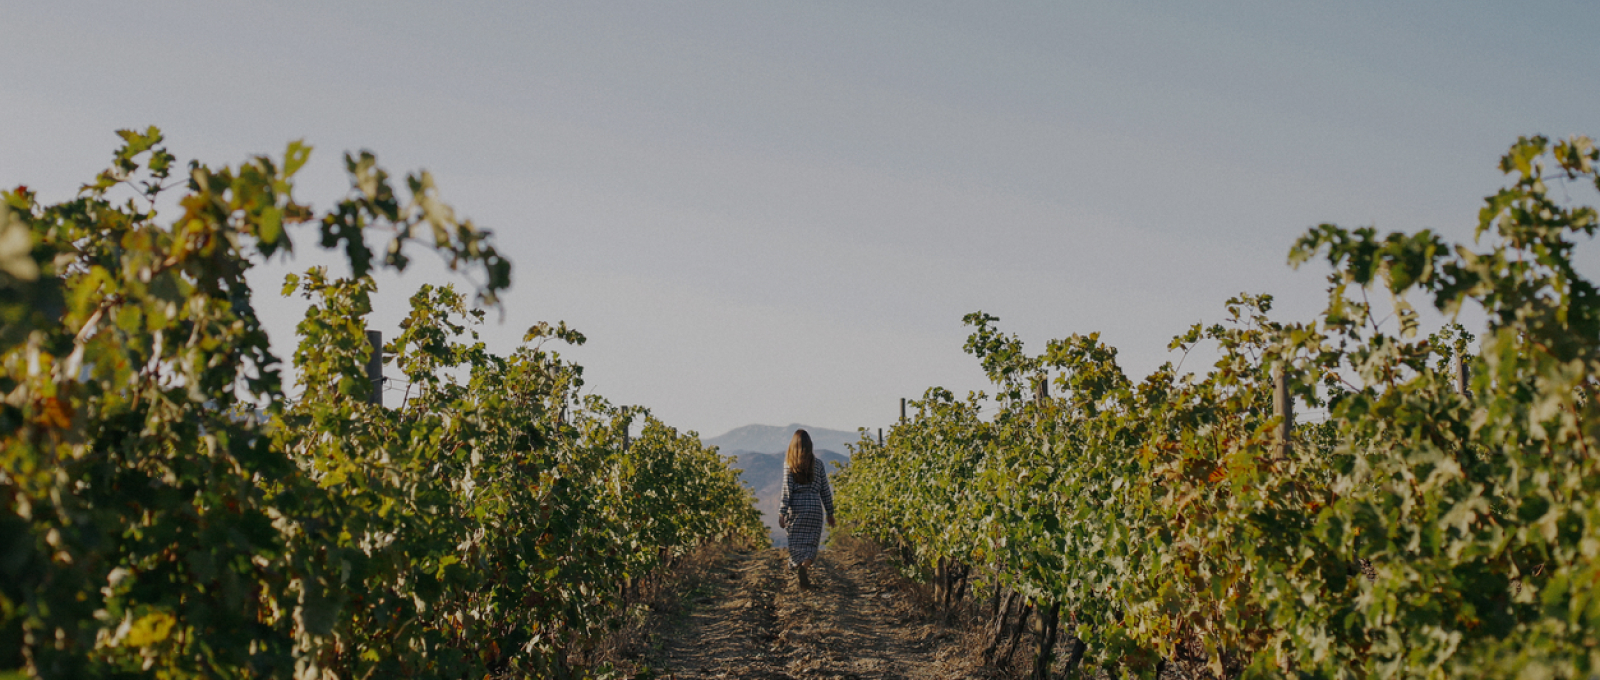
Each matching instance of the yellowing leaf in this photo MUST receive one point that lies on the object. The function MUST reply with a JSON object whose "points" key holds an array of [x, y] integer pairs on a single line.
{"points": [[149, 629], [52, 413]]}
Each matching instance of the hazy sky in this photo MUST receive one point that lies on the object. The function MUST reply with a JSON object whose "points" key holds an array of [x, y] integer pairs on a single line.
{"points": [[779, 212]]}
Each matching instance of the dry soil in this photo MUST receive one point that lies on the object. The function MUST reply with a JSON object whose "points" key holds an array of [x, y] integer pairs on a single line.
{"points": [[750, 619]]}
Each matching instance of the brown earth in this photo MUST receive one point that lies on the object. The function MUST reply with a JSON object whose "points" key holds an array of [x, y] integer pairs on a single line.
{"points": [[740, 614], [746, 617]]}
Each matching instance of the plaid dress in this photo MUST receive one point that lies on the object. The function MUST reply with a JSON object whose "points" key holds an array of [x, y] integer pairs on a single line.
{"points": [[803, 505]]}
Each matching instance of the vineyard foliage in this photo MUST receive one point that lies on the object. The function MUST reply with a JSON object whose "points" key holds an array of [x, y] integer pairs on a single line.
{"points": [[171, 513], [1419, 530]]}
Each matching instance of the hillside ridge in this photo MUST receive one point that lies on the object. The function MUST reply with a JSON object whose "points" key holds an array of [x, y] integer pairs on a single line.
{"points": [[774, 438]]}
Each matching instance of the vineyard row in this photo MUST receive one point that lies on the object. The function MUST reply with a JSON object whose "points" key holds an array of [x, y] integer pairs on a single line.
{"points": [[1429, 527], [168, 513]]}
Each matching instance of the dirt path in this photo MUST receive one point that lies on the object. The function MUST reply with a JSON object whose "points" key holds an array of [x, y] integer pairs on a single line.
{"points": [[854, 622]]}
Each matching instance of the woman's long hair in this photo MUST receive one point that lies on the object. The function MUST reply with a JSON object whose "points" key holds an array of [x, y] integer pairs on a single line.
{"points": [[800, 459]]}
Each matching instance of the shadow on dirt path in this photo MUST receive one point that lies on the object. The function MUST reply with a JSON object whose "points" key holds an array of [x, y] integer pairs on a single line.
{"points": [[854, 622]]}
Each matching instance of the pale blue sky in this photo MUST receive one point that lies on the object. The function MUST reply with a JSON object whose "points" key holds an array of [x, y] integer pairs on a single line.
{"points": [[769, 213]]}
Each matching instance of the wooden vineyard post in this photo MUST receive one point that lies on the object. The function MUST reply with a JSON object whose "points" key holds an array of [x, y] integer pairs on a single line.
{"points": [[1049, 618], [1283, 407], [375, 367], [902, 409], [880, 436], [1461, 374], [627, 433]]}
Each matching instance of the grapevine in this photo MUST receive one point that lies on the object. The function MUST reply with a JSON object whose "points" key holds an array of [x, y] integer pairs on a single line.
{"points": [[1420, 530], [171, 512]]}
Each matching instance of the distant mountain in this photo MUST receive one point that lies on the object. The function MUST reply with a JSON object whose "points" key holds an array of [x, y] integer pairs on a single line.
{"points": [[764, 473], [772, 439]]}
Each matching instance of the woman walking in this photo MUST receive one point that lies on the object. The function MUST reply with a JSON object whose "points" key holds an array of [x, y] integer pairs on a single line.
{"points": [[806, 495]]}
